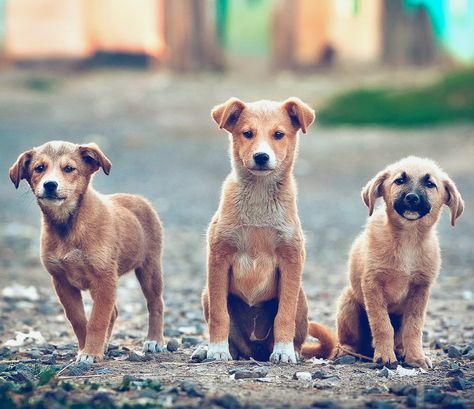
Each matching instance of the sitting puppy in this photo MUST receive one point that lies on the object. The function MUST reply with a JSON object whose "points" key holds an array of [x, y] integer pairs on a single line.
{"points": [[253, 301], [88, 240], [394, 262]]}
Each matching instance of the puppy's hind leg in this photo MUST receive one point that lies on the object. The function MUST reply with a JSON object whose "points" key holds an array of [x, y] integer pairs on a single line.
{"points": [[151, 280], [348, 323], [113, 318]]}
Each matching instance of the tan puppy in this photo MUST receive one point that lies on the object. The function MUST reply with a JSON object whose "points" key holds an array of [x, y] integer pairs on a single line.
{"points": [[88, 240], [394, 262], [253, 302]]}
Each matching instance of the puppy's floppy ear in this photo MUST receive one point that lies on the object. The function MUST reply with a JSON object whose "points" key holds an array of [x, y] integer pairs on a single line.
{"points": [[227, 114], [93, 156], [373, 190], [453, 200], [301, 114], [19, 169]]}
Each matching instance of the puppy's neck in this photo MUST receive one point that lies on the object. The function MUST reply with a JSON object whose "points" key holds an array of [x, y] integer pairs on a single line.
{"points": [[408, 231], [263, 201], [61, 220]]}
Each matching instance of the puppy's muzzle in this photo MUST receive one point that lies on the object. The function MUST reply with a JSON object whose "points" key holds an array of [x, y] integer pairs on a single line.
{"points": [[50, 191], [412, 205]]}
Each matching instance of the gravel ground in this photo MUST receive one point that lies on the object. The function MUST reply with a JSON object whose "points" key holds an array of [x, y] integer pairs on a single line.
{"points": [[157, 131]]}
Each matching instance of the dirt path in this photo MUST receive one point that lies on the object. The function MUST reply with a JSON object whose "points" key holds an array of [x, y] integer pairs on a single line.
{"points": [[159, 136]]}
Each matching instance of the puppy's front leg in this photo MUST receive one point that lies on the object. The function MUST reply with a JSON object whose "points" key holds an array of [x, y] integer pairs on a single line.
{"points": [[103, 294], [71, 299], [412, 326], [291, 267], [219, 320], [379, 321]]}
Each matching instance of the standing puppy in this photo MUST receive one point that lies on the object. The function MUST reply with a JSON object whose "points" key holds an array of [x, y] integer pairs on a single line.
{"points": [[88, 240], [394, 262], [253, 302]]}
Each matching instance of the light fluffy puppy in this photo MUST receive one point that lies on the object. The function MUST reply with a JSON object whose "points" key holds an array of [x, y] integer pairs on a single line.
{"points": [[253, 301], [395, 261], [88, 240]]}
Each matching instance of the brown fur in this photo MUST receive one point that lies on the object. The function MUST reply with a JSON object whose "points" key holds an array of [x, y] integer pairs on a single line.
{"points": [[253, 299], [88, 240], [393, 264]]}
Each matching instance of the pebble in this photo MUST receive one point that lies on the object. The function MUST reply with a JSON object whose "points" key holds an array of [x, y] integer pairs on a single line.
{"points": [[191, 389], [49, 359], [453, 402], [188, 342], [320, 375], [79, 369], [134, 357], [433, 395], [379, 404], [458, 383], [384, 372], [455, 373], [371, 365], [303, 376], [199, 355], [248, 374], [35, 354], [345, 360], [403, 389], [102, 400], [454, 351], [325, 403], [227, 401], [172, 345]]}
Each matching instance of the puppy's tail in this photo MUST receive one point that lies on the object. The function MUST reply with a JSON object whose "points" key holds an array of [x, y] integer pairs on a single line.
{"points": [[326, 347]]}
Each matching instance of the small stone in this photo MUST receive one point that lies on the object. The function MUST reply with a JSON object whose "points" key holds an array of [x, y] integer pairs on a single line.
{"points": [[379, 404], [324, 403], [49, 359], [35, 354], [79, 369], [115, 353], [188, 342], [320, 375], [468, 349], [398, 388], [134, 357], [247, 374], [433, 395], [454, 351], [411, 401], [199, 355], [303, 376], [191, 389], [345, 360], [458, 383], [436, 344], [455, 373], [172, 345], [384, 372], [371, 365], [227, 401], [453, 402], [102, 400]]}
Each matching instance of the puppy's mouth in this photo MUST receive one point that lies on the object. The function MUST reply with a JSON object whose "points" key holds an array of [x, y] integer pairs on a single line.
{"points": [[261, 171], [52, 199], [412, 213]]}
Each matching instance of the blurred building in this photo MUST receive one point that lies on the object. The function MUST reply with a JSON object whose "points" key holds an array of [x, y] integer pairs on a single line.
{"points": [[194, 34]]}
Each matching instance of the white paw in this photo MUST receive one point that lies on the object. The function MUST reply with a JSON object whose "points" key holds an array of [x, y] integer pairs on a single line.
{"points": [[153, 346], [283, 352], [219, 351], [82, 357]]}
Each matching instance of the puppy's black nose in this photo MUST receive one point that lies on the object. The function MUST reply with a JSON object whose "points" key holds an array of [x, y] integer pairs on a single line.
{"points": [[50, 186], [261, 158], [412, 199]]}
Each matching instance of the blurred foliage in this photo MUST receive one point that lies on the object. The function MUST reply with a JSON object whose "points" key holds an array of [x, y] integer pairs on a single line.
{"points": [[448, 100], [42, 84]]}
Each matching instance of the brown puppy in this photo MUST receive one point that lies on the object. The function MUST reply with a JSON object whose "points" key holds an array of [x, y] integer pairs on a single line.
{"points": [[394, 262], [88, 240], [253, 302]]}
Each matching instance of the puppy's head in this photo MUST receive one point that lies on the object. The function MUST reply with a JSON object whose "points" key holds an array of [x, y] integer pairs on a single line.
{"points": [[414, 189], [263, 133], [59, 172]]}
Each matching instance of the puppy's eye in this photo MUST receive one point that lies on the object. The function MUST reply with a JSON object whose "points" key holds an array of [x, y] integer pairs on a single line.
{"points": [[39, 169], [278, 135], [68, 169], [247, 134], [429, 184], [400, 181]]}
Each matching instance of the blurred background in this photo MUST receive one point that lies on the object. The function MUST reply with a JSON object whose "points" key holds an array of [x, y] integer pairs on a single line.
{"points": [[387, 78]]}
